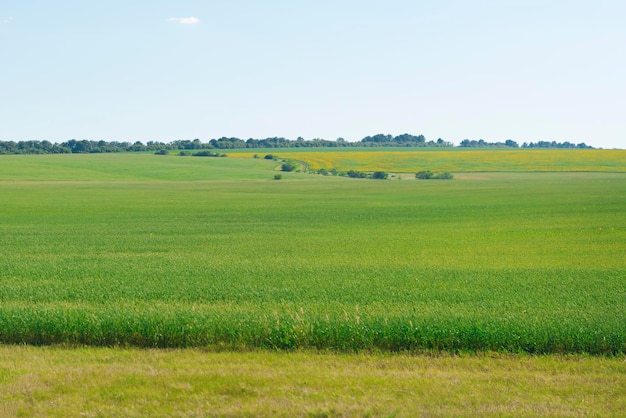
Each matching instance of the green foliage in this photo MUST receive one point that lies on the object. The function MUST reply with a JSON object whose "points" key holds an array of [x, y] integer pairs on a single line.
{"points": [[161, 152], [172, 252], [380, 175], [424, 175], [429, 175], [444, 176], [278, 176], [288, 166], [380, 140], [269, 157], [356, 174], [208, 154]]}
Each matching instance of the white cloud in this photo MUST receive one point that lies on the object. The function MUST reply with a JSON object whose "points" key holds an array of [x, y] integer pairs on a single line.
{"points": [[7, 20], [185, 20]]}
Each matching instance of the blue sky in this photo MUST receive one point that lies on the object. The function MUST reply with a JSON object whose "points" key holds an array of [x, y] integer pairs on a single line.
{"points": [[166, 70]]}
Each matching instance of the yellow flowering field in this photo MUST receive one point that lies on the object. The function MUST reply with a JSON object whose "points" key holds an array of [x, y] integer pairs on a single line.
{"points": [[455, 160]]}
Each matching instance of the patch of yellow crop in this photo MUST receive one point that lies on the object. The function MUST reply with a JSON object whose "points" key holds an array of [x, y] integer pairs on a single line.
{"points": [[460, 160]]}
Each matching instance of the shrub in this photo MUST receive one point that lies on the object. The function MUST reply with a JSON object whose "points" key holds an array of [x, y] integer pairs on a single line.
{"points": [[278, 176], [161, 152], [269, 157], [356, 174], [427, 175], [208, 154], [444, 176], [424, 175], [184, 153], [380, 175], [288, 166]]}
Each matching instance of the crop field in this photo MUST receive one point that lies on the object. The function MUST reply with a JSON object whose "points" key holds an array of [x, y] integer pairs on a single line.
{"points": [[455, 160], [167, 251]]}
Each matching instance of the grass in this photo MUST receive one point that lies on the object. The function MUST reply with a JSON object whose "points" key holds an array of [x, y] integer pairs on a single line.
{"points": [[53, 381], [166, 251]]}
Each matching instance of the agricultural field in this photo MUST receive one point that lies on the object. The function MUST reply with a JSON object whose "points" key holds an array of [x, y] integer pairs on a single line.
{"points": [[167, 251], [146, 251], [454, 160]]}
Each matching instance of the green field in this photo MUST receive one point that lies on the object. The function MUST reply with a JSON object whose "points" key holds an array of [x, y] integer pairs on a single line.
{"points": [[167, 251]]}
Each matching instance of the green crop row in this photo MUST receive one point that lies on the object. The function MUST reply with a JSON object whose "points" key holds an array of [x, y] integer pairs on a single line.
{"points": [[286, 327]]}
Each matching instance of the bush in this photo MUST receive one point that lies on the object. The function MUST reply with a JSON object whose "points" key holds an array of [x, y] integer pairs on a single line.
{"points": [[207, 154], [269, 157], [288, 166], [184, 153], [161, 152], [427, 175], [356, 174], [380, 175], [278, 176], [444, 176], [424, 175]]}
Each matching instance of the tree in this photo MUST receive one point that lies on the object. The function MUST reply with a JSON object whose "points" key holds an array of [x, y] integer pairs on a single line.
{"points": [[380, 175]]}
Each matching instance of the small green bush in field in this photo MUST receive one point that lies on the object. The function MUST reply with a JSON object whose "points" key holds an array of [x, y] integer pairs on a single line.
{"points": [[424, 175], [380, 175], [208, 154], [356, 174], [429, 175], [444, 176], [288, 166]]}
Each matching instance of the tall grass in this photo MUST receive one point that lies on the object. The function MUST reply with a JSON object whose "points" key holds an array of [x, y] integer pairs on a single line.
{"points": [[59, 382], [508, 262]]}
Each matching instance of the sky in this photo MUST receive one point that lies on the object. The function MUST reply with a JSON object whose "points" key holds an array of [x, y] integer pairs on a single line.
{"points": [[163, 70]]}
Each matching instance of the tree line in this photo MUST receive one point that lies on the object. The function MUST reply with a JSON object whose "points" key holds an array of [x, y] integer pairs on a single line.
{"points": [[467, 143], [74, 146]]}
